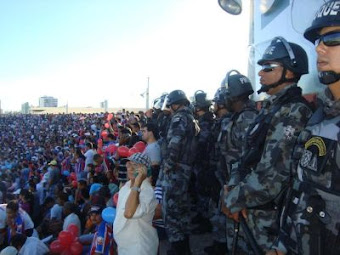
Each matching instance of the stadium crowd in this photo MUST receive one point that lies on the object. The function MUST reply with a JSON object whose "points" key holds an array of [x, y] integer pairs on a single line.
{"points": [[262, 178]]}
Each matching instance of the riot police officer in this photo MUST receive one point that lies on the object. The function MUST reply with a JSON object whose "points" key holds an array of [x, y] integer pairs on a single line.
{"points": [[200, 193], [233, 132], [177, 169], [159, 114], [311, 216], [266, 160], [218, 175]]}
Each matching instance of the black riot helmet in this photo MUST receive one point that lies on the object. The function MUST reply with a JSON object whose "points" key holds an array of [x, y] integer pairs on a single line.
{"points": [[327, 16], [292, 57], [177, 97], [200, 100], [238, 88], [237, 85], [220, 96]]}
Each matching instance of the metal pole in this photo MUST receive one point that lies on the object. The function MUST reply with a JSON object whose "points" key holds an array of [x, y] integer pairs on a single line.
{"points": [[147, 94]]}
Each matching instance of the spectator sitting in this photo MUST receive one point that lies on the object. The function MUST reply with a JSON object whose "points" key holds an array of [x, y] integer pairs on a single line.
{"points": [[70, 216], [29, 245], [18, 221], [102, 242], [26, 201]]}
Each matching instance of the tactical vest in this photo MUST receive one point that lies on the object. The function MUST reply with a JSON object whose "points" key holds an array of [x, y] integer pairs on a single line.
{"points": [[257, 132], [319, 155], [318, 179]]}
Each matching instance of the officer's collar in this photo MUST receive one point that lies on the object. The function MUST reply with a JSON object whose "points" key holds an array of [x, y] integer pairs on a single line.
{"points": [[331, 107], [277, 96]]}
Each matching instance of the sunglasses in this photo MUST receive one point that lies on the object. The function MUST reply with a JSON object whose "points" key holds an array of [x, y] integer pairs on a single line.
{"points": [[329, 39], [269, 67]]}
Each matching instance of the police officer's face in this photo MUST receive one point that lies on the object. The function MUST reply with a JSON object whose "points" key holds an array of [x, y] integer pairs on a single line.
{"points": [[328, 56], [270, 73], [215, 107]]}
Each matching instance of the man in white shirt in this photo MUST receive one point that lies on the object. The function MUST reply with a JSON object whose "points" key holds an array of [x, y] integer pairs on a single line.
{"points": [[16, 219], [29, 245], [89, 154], [71, 218]]}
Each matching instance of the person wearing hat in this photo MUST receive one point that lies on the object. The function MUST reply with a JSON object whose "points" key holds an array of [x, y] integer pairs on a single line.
{"points": [[265, 165], [102, 242], [132, 228], [311, 220], [53, 178]]}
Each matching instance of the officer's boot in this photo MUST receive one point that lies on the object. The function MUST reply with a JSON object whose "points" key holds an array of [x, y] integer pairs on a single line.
{"points": [[216, 248], [187, 245], [179, 248]]}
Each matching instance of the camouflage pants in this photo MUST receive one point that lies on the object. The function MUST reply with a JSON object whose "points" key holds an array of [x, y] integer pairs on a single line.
{"points": [[176, 203], [218, 222], [264, 226], [200, 192]]}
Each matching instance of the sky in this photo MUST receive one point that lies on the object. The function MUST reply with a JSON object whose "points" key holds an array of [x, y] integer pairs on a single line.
{"points": [[86, 51]]}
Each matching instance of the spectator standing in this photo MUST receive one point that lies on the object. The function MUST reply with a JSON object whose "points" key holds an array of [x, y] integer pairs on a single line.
{"points": [[152, 150], [133, 230]]}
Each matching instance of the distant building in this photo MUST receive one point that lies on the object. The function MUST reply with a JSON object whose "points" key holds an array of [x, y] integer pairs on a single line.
{"points": [[25, 108], [48, 101]]}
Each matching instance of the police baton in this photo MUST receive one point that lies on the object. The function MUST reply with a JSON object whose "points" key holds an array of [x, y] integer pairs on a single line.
{"points": [[249, 235], [235, 238]]}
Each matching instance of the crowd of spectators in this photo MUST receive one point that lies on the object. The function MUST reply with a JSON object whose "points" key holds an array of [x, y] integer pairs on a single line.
{"points": [[59, 172]]}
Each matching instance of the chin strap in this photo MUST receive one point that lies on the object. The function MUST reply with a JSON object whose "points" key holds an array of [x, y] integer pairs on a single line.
{"points": [[266, 88], [328, 77]]}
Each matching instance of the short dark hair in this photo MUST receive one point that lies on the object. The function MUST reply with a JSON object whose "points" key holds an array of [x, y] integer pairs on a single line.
{"points": [[111, 136], [151, 127], [63, 196], [70, 206], [13, 205], [126, 130], [96, 157], [136, 124], [18, 240]]}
